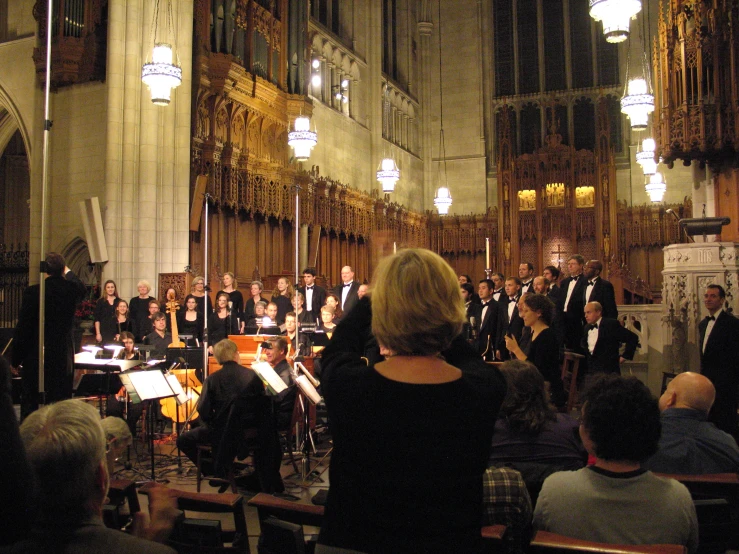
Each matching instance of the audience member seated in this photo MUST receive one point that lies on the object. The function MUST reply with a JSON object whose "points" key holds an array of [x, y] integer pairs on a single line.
{"points": [[530, 435], [506, 502], [411, 433], [616, 500], [65, 444], [689, 443]]}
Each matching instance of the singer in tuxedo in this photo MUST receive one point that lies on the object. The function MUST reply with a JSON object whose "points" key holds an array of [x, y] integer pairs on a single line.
{"points": [[472, 310], [602, 339], [509, 320], [315, 296], [526, 274], [719, 336], [347, 290], [572, 302], [599, 290], [488, 320]]}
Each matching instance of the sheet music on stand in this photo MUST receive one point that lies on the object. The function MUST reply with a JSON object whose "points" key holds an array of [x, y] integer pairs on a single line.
{"points": [[150, 385], [307, 384], [274, 383]]}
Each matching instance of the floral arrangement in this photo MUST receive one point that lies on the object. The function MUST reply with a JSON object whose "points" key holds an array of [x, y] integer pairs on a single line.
{"points": [[86, 308]]}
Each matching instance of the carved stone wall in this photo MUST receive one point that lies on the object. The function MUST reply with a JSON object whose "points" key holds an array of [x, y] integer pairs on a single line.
{"points": [[688, 270]]}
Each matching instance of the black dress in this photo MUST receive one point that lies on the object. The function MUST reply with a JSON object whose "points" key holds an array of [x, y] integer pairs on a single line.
{"points": [[237, 301], [202, 302], [105, 311], [220, 327], [544, 354], [110, 327], [283, 307], [194, 328], [138, 312]]}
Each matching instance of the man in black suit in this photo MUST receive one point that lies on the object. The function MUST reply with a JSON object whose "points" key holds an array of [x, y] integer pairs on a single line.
{"points": [[498, 285], [509, 320], [347, 290], [572, 302], [63, 291], [602, 339], [315, 296], [552, 274], [473, 311], [719, 336], [488, 320], [526, 274], [599, 290]]}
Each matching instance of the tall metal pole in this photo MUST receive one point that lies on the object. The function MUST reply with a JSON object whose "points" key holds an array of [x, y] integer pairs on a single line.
{"points": [[44, 186], [297, 263], [206, 196]]}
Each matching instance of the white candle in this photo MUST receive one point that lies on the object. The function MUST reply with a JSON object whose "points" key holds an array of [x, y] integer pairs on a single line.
{"points": [[395, 248], [487, 253]]}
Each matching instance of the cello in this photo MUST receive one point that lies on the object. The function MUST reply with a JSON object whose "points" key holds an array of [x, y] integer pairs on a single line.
{"points": [[170, 408]]}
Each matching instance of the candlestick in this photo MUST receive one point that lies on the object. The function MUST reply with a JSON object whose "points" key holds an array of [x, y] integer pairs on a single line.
{"points": [[487, 253]]}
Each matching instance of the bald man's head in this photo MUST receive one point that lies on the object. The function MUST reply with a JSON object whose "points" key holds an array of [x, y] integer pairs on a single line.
{"points": [[689, 390]]}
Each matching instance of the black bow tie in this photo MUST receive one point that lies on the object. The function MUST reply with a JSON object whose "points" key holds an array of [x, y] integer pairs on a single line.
{"points": [[512, 298], [593, 326], [348, 285], [710, 318], [591, 283], [309, 288], [526, 284]]}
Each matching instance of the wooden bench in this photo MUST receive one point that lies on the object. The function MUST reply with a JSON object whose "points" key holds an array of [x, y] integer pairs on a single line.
{"points": [[551, 543]]}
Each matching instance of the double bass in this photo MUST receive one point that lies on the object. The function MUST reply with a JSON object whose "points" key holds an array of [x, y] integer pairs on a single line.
{"points": [[170, 408]]}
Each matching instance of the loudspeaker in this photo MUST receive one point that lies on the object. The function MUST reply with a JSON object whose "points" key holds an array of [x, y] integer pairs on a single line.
{"points": [[92, 223], [197, 202]]}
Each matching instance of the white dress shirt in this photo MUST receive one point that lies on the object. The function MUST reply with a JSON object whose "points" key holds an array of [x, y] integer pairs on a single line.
{"points": [[309, 298], [570, 288], [344, 292], [709, 328], [593, 335], [589, 288]]}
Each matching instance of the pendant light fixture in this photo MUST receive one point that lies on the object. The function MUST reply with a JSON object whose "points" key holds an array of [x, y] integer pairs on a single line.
{"points": [[160, 74]]}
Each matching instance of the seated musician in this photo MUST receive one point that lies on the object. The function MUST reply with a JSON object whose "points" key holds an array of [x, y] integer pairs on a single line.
{"points": [[275, 350], [255, 322], [159, 338], [116, 405], [235, 383], [299, 346], [269, 321]]}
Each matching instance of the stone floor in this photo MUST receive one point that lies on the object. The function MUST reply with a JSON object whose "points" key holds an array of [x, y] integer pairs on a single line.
{"points": [[181, 474]]}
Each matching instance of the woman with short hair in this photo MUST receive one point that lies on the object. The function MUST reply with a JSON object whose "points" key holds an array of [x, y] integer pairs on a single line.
{"points": [[138, 307], [411, 433]]}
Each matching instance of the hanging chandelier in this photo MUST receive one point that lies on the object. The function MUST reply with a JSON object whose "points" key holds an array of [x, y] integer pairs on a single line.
{"points": [[637, 103], [302, 139], [645, 157], [161, 75], [443, 200], [388, 174], [615, 15], [656, 188]]}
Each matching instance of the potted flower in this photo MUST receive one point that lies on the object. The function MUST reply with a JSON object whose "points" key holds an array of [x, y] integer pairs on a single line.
{"points": [[85, 312]]}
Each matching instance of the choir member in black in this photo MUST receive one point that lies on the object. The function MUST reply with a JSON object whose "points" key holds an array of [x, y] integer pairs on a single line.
{"points": [[302, 315], [105, 308], [159, 338], [190, 321], [147, 324], [222, 322], [197, 289], [301, 343], [327, 321], [282, 297], [237, 299], [333, 301], [255, 289], [112, 327], [116, 405], [256, 322], [138, 307], [543, 350]]}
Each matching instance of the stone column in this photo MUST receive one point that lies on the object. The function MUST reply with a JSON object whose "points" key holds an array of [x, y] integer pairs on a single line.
{"points": [[703, 195], [147, 169]]}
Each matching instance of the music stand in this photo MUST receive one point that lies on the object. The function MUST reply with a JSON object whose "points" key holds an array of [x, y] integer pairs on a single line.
{"points": [[306, 384], [149, 386]]}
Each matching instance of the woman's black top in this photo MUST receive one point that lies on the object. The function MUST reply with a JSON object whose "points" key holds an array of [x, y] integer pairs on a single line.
{"points": [[104, 310], [138, 311], [544, 354], [283, 306], [194, 328], [237, 301], [202, 302], [110, 327], [220, 327]]}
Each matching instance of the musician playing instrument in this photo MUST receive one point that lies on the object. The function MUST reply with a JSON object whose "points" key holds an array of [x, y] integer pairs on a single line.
{"points": [[117, 404], [299, 348], [159, 338]]}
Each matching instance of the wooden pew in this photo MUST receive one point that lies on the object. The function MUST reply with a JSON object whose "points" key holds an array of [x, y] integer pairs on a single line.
{"points": [[552, 543]]}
